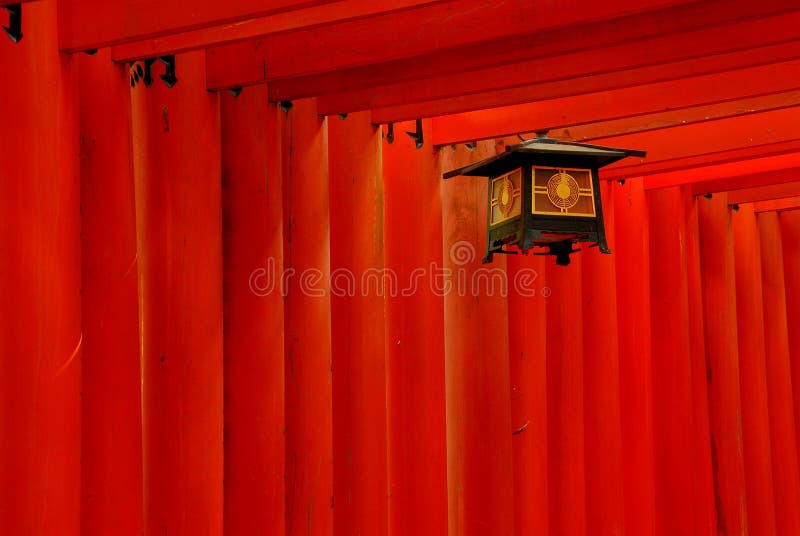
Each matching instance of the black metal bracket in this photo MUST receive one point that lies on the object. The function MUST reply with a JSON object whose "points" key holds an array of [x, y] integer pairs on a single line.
{"points": [[14, 28], [144, 71], [169, 77], [286, 106], [390, 133], [561, 251], [235, 91], [417, 135]]}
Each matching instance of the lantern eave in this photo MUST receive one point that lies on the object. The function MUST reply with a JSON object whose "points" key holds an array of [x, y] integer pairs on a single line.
{"points": [[591, 156]]}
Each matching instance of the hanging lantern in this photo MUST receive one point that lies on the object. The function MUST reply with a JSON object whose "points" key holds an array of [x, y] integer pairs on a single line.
{"points": [[545, 193]]}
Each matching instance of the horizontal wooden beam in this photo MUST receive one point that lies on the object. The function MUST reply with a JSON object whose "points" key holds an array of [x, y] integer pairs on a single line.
{"points": [[780, 205], [310, 17], [658, 105], [712, 142], [614, 80], [442, 39], [729, 177], [611, 60], [88, 24], [766, 192]]}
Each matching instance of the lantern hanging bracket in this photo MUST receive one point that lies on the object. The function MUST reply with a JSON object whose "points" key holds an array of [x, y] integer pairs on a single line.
{"points": [[417, 135], [14, 28], [561, 251]]}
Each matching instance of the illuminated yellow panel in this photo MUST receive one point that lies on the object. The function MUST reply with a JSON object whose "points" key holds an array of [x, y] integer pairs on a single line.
{"points": [[562, 192], [506, 201]]}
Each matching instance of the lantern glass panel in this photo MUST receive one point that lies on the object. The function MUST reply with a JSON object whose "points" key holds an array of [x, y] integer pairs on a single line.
{"points": [[562, 191], [506, 197]]}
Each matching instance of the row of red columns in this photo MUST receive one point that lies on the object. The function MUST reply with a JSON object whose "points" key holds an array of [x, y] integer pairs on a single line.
{"points": [[228, 385]]}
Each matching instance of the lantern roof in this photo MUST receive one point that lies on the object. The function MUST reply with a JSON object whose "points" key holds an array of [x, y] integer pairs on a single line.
{"points": [[546, 151]]}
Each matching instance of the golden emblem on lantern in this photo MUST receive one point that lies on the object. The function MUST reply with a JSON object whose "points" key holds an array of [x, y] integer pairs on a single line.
{"points": [[506, 190], [565, 192]]}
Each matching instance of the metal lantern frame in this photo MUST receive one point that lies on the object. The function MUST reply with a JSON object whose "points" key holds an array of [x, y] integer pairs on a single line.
{"points": [[556, 230]]}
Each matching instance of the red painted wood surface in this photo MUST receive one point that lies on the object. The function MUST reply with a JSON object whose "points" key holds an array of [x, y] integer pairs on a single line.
{"points": [[179, 239], [253, 364], [87, 24], [593, 59], [706, 512], [565, 399], [592, 83], [358, 327], [40, 280], [415, 370], [722, 362], [767, 192], [111, 485], [750, 173], [479, 454], [631, 255], [790, 238], [527, 350], [673, 95], [779, 378], [306, 253], [314, 16], [601, 384], [777, 205], [672, 370], [753, 374], [457, 31]]}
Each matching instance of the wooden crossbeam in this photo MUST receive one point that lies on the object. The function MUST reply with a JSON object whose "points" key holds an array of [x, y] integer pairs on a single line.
{"points": [[449, 39], [779, 205], [88, 24], [665, 52], [309, 17], [644, 107], [766, 192], [591, 84], [714, 142]]}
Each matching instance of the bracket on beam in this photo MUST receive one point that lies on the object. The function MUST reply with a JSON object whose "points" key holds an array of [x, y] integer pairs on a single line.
{"points": [[169, 77], [144, 73], [419, 140], [14, 28]]}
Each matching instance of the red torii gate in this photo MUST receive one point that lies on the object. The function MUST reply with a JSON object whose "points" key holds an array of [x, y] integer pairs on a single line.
{"points": [[149, 383]]}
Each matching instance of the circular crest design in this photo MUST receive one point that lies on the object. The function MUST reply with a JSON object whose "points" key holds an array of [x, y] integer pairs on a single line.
{"points": [[563, 190], [505, 197]]}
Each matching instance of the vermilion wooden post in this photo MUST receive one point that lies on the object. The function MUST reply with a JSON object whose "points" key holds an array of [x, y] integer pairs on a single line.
{"points": [[790, 238], [703, 497], [178, 219], [479, 470], [357, 325], [601, 395], [40, 280], [672, 368], [753, 374], [779, 378], [722, 360], [252, 235], [306, 249], [527, 349], [415, 397], [111, 487], [565, 398], [631, 255]]}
